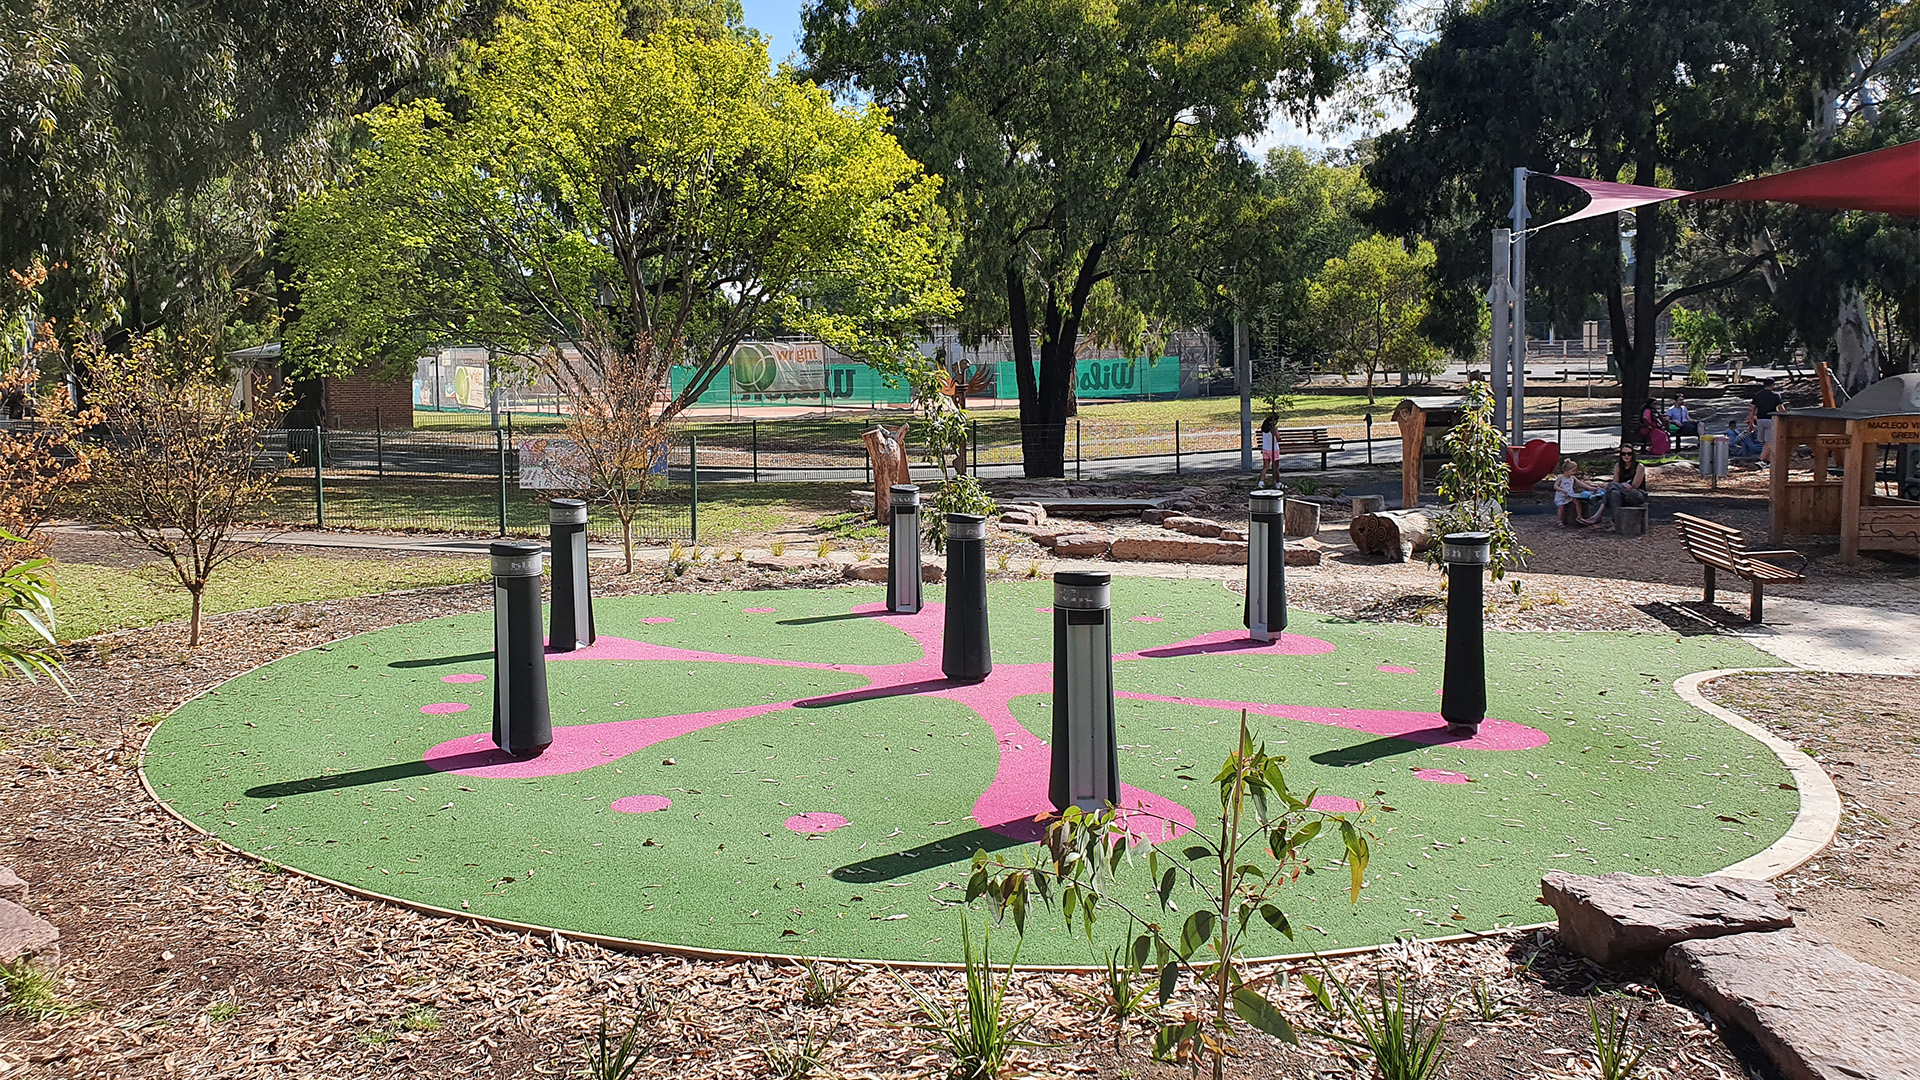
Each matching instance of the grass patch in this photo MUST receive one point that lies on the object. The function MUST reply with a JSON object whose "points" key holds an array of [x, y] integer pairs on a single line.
{"points": [[93, 599], [30, 990]]}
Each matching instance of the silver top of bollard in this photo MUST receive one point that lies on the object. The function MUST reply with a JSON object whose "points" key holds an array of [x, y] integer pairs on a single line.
{"points": [[966, 527], [903, 495], [1265, 501], [1467, 548], [567, 511], [1082, 590], [513, 559]]}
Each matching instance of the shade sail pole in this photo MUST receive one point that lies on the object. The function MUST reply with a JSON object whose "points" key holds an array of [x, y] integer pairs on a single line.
{"points": [[1499, 296], [1519, 307]]}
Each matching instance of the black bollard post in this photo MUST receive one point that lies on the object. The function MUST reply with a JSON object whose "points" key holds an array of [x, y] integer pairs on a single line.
{"points": [[1463, 686], [903, 550], [522, 726], [966, 655], [1266, 603], [1086, 767], [572, 625]]}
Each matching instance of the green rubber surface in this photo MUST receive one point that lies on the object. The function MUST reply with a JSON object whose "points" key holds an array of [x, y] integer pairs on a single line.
{"points": [[316, 762]]}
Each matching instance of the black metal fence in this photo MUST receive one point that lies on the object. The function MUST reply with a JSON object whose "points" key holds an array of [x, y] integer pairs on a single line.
{"points": [[452, 481]]}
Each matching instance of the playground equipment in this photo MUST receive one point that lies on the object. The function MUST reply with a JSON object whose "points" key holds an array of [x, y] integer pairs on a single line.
{"points": [[1847, 504], [903, 550], [1528, 465], [1085, 770], [1463, 686], [965, 654], [522, 726], [572, 626], [1266, 604]]}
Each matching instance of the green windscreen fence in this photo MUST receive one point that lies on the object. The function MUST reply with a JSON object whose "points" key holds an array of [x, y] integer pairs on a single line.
{"points": [[849, 384]]}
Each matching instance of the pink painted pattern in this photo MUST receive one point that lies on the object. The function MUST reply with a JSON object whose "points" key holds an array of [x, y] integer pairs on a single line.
{"points": [[1148, 618], [1441, 776], [1395, 669], [656, 620], [641, 804], [1015, 802], [758, 610], [463, 678], [1334, 804], [814, 822], [441, 708]]}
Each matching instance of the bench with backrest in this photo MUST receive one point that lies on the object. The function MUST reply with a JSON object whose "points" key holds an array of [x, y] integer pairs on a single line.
{"points": [[1304, 441], [1721, 547]]}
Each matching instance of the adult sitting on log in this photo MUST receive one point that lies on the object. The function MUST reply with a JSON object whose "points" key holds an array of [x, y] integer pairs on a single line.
{"points": [[1628, 488]]}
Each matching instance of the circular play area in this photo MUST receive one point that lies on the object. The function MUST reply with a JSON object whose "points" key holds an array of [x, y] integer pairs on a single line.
{"points": [[789, 773]]}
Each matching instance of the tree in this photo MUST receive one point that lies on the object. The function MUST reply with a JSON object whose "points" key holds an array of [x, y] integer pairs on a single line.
{"points": [[1691, 93], [1080, 144], [1369, 307], [155, 141], [613, 444], [1473, 484], [178, 469], [600, 190]]}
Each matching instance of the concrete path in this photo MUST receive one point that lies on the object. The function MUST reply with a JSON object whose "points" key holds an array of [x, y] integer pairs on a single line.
{"points": [[1835, 635]]}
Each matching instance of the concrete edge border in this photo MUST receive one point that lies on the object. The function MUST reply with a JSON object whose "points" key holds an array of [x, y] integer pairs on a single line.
{"points": [[1802, 842], [1818, 819]]}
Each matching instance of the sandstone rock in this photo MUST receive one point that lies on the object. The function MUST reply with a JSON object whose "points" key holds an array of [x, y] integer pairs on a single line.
{"points": [[932, 572], [1081, 545], [1192, 526], [791, 563], [1155, 517], [1168, 549], [1024, 513], [865, 571], [23, 933], [1817, 1012], [1621, 918], [1303, 556], [11, 886], [1232, 534]]}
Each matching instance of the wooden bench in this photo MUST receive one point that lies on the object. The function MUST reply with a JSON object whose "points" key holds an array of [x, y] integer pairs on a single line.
{"points": [[1720, 547], [1303, 441]]}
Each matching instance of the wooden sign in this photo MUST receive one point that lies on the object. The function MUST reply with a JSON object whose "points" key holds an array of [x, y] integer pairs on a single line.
{"points": [[1891, 429]]}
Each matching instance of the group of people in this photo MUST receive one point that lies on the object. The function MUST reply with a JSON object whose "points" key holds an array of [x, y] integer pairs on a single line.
{"points": [[1581, 502], [1662, 429]]}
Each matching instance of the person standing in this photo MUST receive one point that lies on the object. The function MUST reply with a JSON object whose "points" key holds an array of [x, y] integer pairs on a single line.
{"points": [[1269, 450], [1766, 402]]}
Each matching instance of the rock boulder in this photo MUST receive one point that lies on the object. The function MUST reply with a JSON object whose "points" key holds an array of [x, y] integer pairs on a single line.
{"points": [[1192, 526], [1081, 545], [1168, 549], [1622, 918], [22, 933]]}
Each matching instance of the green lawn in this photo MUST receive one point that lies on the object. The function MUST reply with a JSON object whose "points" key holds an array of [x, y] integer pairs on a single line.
{"points": [[93, 599]]}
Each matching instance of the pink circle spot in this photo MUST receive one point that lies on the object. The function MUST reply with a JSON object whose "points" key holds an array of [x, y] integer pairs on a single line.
{"points": [[1044, 610], [815, 822], [758, 610], [1148, 618], [464, 678], [1395, 669], [1334, 804], [641, 804], [442, 707], [1441, 776], [656, 620]]}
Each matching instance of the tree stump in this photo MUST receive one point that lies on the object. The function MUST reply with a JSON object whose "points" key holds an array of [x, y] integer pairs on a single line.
{"points": [[1300, 518], [1632, 521], [887, 448], [1368, 504], [1396, 534]]}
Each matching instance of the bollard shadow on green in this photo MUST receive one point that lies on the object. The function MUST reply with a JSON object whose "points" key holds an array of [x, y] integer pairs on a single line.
{"points": [[928, 856], [1376, 749], [442, 661], [384, 774]]}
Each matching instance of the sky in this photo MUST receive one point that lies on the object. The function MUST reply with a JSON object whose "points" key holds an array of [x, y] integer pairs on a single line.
{"points": [[780, 21]]}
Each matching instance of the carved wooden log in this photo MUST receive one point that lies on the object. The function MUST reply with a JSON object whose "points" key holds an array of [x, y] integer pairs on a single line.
{"points": [[1396, 534], [1300, 518], [887, 447]]}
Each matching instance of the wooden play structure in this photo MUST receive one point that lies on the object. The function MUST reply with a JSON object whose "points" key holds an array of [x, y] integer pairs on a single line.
{"points": [[1846, 504], [1424, 422]]}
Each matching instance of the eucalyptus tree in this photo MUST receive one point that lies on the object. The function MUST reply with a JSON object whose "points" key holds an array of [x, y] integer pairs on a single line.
{"points": [[1084, 146]]}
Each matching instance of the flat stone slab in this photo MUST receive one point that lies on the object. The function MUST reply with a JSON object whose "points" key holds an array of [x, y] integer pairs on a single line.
{"points": [[1818, 1013], [1081, 545], [791, 563], [1623, 918], [1192, 526], [877, 571], [1189, 550], [23, 933], [12, 887], [1069, 506]]}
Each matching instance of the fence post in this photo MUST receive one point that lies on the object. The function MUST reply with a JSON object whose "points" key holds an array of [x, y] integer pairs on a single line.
{"points": [[974, 458], [693, 475], [319, 479], [756, 450], [379, 446], [500, 467], [1369, 438], [1176, 448], [1076, 448]]}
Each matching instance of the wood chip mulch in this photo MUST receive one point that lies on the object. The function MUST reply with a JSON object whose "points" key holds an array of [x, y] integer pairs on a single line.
{"points": [[184, 959]]}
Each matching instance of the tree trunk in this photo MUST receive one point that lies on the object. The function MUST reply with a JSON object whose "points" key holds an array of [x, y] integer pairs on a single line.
{"points": [[1636, 359], [626, 534], [1396, 534], [193, 626]]}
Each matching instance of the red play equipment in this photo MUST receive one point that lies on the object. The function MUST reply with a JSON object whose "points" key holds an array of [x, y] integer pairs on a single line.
{"points": [[1528, 465]]}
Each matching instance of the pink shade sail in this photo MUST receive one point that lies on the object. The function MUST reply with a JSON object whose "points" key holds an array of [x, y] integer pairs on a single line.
{"points": [[1884, 182], [1611, 198]]}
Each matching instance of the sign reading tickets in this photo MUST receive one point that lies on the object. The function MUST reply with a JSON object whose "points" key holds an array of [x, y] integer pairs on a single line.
{"points": [[1892, 429]]}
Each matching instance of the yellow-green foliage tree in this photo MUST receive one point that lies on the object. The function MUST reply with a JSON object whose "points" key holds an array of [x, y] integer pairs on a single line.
{"points": [[610, 181], [1369, 305]]}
